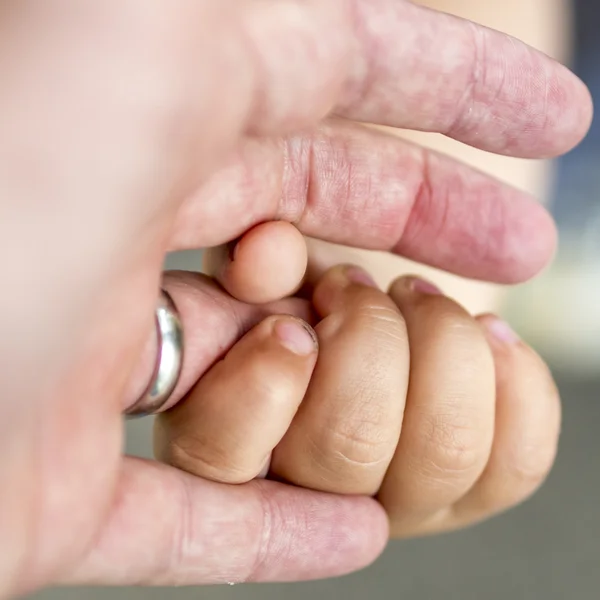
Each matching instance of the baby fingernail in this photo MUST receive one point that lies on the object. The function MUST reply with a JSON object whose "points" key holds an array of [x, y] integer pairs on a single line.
{"points": [[501, 330], [357, 275], [422, 286], [296, 336]]}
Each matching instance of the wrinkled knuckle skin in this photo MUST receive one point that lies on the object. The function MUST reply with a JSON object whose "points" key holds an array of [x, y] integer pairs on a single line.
{"points": [[379, 316], [452, 447], [360, 445], [193, 456], [454, 321], [279, 521]]}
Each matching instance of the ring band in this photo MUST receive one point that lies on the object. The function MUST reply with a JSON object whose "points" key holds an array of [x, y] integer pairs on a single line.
{"points": [[168, 362]]}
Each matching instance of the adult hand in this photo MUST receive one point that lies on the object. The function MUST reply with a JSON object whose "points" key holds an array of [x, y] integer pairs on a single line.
{"points": [[116, 119]]}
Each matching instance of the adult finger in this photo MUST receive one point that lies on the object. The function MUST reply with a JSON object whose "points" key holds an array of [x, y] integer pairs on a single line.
{"points": [[476, 85], [167, 527], [212, 322], [228, 425], [354, 185], [448, 424], [451, 76], [287, 64], [526, 431], [267, 263]]}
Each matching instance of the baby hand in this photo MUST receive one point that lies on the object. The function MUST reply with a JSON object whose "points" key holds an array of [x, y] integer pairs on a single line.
{"points": [[445, 418]]}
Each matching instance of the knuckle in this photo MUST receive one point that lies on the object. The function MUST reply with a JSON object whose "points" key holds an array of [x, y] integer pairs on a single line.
{"points": [[376, 313], [531, 465], [208, 461], [452, 445], [475, 75], [269, 519], [335, 149], [360, 444], [452, 321], [454, 328], [278, 523], [181, 537], [453, 324], [367, 437]]}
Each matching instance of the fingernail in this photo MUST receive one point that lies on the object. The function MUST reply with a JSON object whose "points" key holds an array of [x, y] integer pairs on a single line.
{"points": [[501, 330], [296, 336], [357, 275], [422, 286]]}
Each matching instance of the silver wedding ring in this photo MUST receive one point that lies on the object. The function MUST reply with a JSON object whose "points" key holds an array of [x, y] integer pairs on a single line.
{"points": [[168, 361]]}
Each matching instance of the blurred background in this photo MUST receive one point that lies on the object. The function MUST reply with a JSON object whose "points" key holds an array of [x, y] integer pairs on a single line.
{"points": [[550, 547]]}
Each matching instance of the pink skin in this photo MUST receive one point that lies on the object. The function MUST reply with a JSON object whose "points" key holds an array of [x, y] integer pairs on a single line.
{"points": [[431, 72], [243, 520], [353, 185], [112, 114]]}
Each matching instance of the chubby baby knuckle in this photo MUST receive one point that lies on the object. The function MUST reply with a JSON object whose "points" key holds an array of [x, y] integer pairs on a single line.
{"points": [[360, 444], [381, 318], [453, 444], [461, 330], [450, 316], [530, 466], [469, 348], [208, 461]]}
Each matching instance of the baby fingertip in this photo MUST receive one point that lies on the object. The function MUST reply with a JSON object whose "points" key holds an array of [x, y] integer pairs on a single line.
{"points": [[411, 287], [423, 286], [296, 335], [359, 276], [499, 330]]}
